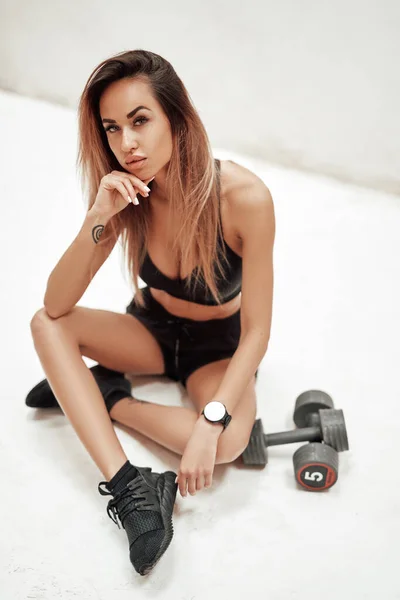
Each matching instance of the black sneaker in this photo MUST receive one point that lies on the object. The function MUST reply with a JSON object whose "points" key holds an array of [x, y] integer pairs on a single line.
{"points": [[108, 380], [144, 508]]}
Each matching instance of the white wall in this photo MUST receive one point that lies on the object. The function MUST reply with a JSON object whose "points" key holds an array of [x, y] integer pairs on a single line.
{"points": [[311, 85]]}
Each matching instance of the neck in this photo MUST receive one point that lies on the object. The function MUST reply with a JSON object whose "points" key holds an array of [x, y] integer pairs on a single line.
{"points": [[156, 196], [158, 188]]}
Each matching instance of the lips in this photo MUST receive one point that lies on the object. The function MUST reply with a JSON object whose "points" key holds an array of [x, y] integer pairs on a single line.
{"points": [[136, 159]]}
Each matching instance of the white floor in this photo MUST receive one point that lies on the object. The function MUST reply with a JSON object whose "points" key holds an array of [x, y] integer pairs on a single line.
{"points": [[336, 327]]}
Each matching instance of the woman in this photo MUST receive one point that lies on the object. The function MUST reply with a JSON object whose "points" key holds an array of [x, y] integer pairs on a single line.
{"points": [[202, 231]]}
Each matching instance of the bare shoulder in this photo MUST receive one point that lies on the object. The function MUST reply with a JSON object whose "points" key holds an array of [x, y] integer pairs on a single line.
{"points": [[236, 180], [242, 189]]}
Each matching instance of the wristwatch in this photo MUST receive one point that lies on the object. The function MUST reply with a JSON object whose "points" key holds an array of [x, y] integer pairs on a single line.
{"points": [[215, 412]]}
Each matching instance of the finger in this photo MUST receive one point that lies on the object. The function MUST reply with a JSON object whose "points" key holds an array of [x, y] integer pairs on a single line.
{"points": [[119, 184], [138, 183], [192, 484], [200, 482], [184, 488], [181, 481], [130, 188], [208, 480], [122, 190]]}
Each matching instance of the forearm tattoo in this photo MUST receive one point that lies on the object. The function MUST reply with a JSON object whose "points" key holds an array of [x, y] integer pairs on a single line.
{"points": [[96, 233]]}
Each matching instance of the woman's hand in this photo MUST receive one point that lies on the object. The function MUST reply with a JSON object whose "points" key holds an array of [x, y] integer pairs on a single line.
{"points": [[115, 192], [198, 460]]}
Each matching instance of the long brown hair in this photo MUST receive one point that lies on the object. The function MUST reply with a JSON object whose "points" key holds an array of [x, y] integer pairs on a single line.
{"points": [[192, 181]]}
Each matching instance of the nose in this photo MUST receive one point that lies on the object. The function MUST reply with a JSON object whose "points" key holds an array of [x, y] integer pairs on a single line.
{"points": [[128, 140]]}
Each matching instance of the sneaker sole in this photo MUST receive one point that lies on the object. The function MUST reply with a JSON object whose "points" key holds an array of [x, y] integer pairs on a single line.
{"points": [[167, 489]]}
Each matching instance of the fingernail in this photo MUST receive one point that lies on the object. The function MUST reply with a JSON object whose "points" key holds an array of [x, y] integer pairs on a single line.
{"points": [[147, 188], [129, 199], [135, 200]]}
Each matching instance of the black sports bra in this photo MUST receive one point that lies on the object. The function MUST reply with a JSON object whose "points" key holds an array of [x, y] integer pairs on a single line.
{"points": [[227, 289]]}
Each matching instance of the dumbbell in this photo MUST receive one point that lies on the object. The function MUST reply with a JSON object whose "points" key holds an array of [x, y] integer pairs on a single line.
{"points": [[316, 464]]}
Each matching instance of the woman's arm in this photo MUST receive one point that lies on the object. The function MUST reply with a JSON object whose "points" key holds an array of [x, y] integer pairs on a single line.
{"points": [[77, 267], [254, 216]]}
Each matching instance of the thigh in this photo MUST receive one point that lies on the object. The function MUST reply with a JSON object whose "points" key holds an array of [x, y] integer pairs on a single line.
{"points": [[205, 342], [117, 341]]}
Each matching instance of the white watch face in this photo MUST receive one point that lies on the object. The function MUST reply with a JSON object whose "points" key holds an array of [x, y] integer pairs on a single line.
{"points": [[214, 411]]}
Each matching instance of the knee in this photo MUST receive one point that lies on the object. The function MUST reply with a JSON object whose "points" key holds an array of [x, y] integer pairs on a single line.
{"points": [[40, 320]]}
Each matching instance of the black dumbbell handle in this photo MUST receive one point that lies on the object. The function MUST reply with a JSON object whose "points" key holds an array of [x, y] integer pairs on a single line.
{"points": [[304, 434]]}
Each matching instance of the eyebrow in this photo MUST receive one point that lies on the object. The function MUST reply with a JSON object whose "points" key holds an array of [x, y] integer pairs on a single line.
{"points": [[128, 116]]}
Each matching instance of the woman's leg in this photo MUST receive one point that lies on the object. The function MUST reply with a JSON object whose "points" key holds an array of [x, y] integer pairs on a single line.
{"points": [[118, 342], [170, 426], [78, 393]]}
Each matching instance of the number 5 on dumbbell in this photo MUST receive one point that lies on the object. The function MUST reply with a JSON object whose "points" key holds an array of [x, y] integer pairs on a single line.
{"points": [[316, 464]]}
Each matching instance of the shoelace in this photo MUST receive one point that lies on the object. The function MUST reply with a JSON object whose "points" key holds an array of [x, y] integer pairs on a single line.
{"points": [[139, 495]]}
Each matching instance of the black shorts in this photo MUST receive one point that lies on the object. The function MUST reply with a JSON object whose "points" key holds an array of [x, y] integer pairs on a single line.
{"points": [[187, 344]]}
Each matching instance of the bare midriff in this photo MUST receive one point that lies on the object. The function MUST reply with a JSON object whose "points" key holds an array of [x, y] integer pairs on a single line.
{"points": [[191, 310]]}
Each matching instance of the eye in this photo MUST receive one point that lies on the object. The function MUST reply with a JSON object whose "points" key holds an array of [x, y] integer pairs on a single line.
{"points": [[136, 121]]}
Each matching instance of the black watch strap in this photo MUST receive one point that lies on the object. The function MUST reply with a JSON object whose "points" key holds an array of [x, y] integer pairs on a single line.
{"points": [[224, 421]]}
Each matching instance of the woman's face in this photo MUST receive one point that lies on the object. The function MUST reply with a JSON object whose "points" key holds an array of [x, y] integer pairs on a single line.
{"points": [[146, 133]]}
